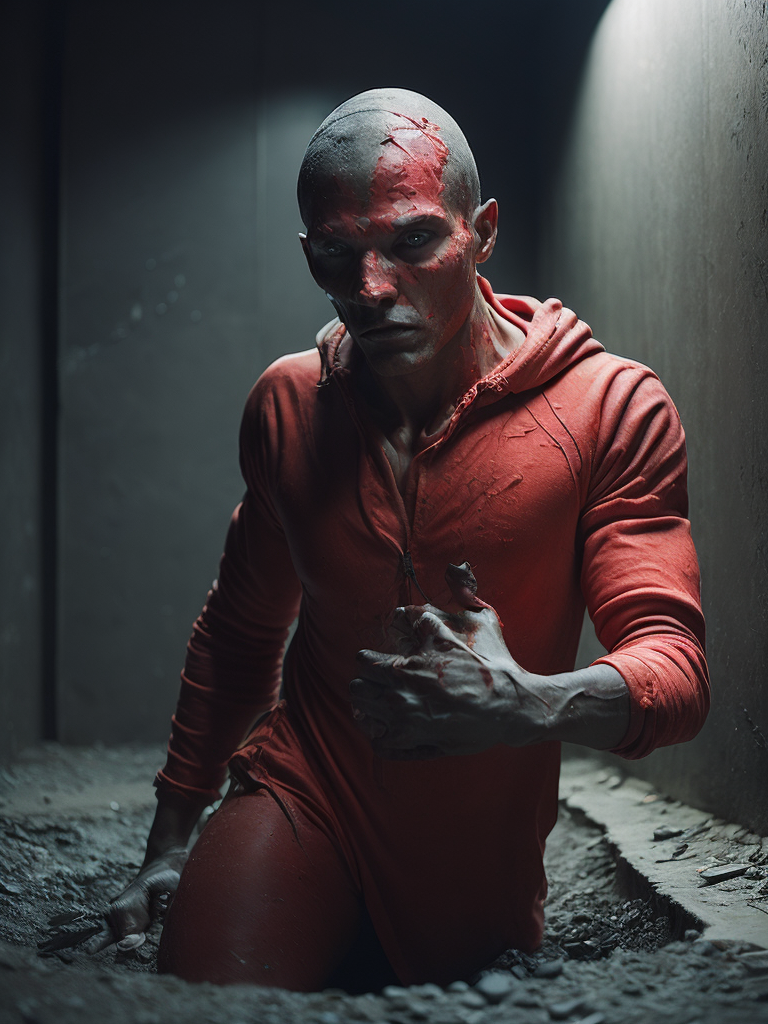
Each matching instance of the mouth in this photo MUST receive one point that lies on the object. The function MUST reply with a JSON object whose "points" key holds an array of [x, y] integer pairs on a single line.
{"points": [[387, 329]]}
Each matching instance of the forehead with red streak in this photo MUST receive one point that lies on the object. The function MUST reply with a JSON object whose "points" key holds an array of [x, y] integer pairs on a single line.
{"points": [[411, 164], [407, 178]]}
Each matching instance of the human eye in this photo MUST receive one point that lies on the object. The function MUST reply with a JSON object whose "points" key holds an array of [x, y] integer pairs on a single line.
{"points": [[333, 248], [416, 239]]}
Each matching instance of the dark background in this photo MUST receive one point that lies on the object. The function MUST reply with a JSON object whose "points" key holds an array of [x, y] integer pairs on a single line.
{"points": [[150, 271]]}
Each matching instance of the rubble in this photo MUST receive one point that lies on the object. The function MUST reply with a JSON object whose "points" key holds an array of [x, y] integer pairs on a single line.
{"points": [[609, 956]]}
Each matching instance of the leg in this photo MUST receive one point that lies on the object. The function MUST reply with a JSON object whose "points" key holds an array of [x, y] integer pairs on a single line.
{"points": [[254, 905]]}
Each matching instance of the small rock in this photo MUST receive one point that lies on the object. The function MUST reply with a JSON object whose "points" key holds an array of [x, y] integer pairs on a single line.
{"points": [[566, 1009], [472, 1000], [666, 832], [395, 992], [427, 991], [458, 986], [114, 805], [496, 986], [704, 947], [549, 969], [528, 1000], [10, 889], [756, 962], [593, 1018], [753, 872], [723, 872]]}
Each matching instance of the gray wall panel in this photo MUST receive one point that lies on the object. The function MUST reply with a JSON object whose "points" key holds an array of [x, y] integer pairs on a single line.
{"points": [[656, 234]]}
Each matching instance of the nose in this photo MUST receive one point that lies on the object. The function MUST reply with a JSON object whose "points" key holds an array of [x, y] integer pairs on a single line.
{"points": [[377, 279]]}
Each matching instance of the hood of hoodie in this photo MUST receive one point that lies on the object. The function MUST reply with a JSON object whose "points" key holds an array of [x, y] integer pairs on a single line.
{"points": [[551, 345]]}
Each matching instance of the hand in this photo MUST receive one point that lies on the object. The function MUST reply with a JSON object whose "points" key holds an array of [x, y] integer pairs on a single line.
{"points": [[452, 687], [130, 914]]}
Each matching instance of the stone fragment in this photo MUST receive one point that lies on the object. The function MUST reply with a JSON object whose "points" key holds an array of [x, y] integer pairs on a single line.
{"points": [[458, 986], [10, 889], [549, 969], [395, 992], [722, 873], [567, 1008], [666, 832], [705, 948], [756, 962], [472, 1000], [496, 986], [427, 991], [691, 934]]}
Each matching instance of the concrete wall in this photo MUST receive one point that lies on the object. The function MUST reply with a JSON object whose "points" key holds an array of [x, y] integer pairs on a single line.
{"points": [[162, 337], [182, 278], [28, 303], [656, 230]]}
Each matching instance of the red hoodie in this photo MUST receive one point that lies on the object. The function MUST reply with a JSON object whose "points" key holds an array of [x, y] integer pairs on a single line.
{"points": [[561, 479]]}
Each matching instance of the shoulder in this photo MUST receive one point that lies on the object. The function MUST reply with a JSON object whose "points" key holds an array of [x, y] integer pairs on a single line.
{"points": [[610, 385], [290, 381]]}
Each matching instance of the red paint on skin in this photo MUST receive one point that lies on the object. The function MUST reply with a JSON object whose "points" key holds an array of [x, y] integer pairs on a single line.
{"points": [[437, 284], [487, 677], [411, 164]]}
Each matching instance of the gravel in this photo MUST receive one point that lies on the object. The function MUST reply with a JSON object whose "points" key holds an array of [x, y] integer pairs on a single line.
{"points": [[72, 823]]}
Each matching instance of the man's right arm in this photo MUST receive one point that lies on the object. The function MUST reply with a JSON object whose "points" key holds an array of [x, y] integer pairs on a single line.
{"points": [[231, 675]]}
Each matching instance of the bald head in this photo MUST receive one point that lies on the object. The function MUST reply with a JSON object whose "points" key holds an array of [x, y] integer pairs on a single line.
{"points": [[347, 146]]}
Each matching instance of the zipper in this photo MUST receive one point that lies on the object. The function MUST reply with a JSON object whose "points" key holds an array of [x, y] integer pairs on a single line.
{"points": [[410, 572], [380, 459]]}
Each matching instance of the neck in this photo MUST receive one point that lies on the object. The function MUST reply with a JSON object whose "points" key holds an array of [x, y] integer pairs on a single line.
{"points": [[421, 402]]}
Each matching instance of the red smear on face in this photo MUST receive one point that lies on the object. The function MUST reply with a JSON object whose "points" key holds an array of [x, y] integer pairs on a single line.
{"points": [[410, 165], [399, 266]]}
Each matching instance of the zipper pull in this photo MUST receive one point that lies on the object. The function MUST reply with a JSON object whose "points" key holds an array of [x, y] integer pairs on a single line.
{"points": [[410, 572]]}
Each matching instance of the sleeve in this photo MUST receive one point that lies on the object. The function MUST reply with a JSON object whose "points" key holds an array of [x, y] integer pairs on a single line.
{"points": [[234, 657], [640, 574]]}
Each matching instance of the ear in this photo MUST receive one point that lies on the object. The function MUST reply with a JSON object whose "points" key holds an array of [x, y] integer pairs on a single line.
{"points": [[308, 255], [485, 224]]}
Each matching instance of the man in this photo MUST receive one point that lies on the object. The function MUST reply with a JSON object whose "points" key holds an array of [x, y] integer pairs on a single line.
{"points": [[409, 776]]}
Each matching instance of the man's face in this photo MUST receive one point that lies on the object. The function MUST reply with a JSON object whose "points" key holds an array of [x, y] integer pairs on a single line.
{"points": [[398, 265]]}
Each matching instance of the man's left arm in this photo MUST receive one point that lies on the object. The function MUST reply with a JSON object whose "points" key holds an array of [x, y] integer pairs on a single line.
{"points": [[455, 688]]}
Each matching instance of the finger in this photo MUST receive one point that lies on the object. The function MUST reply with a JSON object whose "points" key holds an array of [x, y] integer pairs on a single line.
{"points": [[371, 727], [463, 584], [66, 939], [130, 942], [403, 618], [365, 689], [385, 668], [129, 915], [443, 632], [103, 940]]}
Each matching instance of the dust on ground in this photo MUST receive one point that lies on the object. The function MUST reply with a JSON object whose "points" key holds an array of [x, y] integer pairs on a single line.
{"points": [[72, 828]]}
